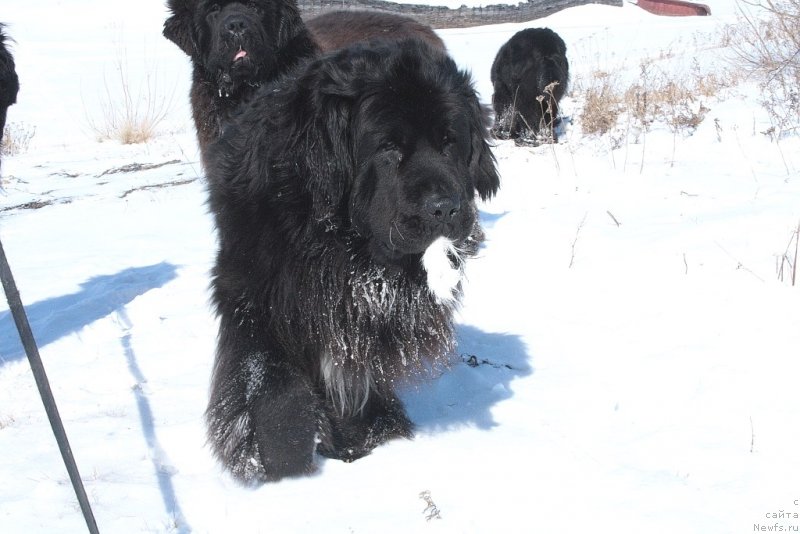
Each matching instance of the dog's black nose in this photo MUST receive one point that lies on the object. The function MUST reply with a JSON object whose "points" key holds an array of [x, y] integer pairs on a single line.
{"points": [[442, 207], [236, 25]]}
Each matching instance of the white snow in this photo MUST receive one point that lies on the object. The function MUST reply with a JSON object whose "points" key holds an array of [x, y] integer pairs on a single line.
{"points": [[635, 355]]}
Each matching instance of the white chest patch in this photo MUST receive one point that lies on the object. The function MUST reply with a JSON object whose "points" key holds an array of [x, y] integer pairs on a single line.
{"points": [[443, 277]]}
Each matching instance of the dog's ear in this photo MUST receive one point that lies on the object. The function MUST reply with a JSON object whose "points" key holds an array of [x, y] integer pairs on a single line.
{"points": [[482, 164], [179, 27], [288, 23], [322, 138]]}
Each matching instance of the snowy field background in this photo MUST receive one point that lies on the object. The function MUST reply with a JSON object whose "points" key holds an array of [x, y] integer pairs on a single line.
{"points": [[633, 377]]}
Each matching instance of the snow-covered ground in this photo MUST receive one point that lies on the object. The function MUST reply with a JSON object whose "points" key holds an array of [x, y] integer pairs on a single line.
{"points": [[638, 355]]}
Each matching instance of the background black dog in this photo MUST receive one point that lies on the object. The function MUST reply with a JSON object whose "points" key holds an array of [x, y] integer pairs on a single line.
{"points": [[344, 198], [235, 46], [523, 69], [337, 29], [9, 83]]}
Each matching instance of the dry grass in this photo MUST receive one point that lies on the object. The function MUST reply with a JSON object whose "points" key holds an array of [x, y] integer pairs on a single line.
{"points": [[547, 107], [531, 134], [767, 45], [603, 104], [768, 40], [16, 139], [786, 263], [6, 421], [130, 114], [712, 84], [431, 510], [626, 112]]}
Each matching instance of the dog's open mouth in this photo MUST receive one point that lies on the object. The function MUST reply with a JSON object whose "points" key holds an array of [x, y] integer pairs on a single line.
{"points": [[240, 55]]}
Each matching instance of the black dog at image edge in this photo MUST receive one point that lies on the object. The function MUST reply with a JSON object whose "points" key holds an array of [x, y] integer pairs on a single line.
{"points": [[9, 83], [344, 196]]}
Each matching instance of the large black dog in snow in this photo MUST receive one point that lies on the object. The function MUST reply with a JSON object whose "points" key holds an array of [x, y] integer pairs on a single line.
{"points": [[524, 67], [345, 202], [9, 83], [235, 46]]}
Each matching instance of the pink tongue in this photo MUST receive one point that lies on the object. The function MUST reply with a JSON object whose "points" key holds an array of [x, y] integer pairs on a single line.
{"points": [[239, 55]]}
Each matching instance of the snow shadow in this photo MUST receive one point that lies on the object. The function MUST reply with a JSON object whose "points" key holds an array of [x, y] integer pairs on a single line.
{"points": [[162, 466], [98, 297], [479, 378], [488, 219]]}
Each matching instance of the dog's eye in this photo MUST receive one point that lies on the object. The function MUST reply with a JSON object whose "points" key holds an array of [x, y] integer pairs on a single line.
{"points": [[214, 8], [254, 6], [447, 144]]}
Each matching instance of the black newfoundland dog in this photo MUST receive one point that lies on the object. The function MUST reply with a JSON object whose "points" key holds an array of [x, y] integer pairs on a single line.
{"points": [[235, 46], [337, 29], [345, 202], [9, 84], [530, 75]]}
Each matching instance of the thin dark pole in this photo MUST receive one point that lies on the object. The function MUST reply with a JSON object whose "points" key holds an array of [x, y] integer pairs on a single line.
{"points": [[25, 334]]}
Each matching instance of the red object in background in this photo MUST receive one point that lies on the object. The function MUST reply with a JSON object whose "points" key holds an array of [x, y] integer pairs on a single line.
{"points": [[674, 8]]}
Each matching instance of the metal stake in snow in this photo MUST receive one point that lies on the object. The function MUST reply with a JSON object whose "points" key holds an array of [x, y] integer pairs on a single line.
{"points": [[25, 334]]}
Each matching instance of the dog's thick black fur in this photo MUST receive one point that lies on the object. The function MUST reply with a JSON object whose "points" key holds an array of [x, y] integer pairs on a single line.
{"points": [[344, 197], [235, 46], [523, 68], [9, 83], [337, 29]]}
